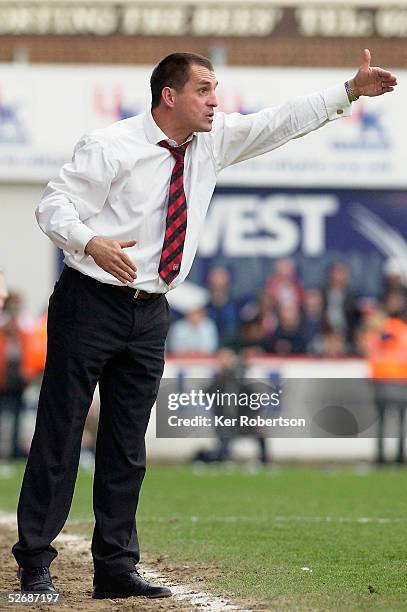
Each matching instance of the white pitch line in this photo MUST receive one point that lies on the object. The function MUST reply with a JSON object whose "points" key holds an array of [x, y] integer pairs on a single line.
{"points": [[281, 519], [181, 592], [6, 519]]}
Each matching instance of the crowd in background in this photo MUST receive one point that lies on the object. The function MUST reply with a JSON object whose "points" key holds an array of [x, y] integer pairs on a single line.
{"points": [[285, 318]]}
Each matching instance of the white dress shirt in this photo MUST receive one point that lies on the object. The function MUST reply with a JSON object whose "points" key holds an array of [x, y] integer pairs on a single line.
{"points": [[117, 183]]}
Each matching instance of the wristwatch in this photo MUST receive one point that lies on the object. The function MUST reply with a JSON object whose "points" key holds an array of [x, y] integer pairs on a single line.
{"points": [[351, 94]]}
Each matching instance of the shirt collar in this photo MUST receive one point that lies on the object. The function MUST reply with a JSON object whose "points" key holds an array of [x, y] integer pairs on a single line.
{"points": [[155, 134]]}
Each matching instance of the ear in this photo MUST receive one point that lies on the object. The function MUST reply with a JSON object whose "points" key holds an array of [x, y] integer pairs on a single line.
{"points": [[168, 96]]}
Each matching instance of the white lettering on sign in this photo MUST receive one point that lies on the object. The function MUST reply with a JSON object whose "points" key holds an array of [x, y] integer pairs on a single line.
{"points": [[63, 19], [391, 22], [138, 18], [235, 21], [334, 21], [156, 20], [197, 18], [277, 226]]}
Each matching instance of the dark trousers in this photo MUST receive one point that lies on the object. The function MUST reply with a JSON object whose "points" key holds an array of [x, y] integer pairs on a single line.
{"points": [[389, 397], [223, 452], [96, 333], [12, 402]]}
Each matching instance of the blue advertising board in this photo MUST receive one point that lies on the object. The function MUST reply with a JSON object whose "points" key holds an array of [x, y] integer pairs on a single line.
{"points": [[248, 228]]}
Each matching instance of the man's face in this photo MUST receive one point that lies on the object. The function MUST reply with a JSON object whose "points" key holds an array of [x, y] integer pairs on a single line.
{"points": [[196, 102]]}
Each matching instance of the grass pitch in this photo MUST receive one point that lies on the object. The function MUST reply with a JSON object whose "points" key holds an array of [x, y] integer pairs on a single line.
{"points": [[280, 539]]}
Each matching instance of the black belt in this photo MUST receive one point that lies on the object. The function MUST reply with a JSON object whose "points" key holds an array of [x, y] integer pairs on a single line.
{"points": [[139, 294]]}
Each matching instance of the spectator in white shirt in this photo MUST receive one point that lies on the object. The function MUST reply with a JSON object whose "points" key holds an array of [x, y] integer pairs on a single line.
{"points": [[195, 334]]}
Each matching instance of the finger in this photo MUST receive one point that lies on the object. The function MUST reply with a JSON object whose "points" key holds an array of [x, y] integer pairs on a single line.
{"points": [[119, 269], [120, 257], [127, 270], [119, 264], [391, 80], [387, 89], [121, 275], [127, 244], [126, 259], [389, 83], [366, 57], [118, 276], [383, 74]]}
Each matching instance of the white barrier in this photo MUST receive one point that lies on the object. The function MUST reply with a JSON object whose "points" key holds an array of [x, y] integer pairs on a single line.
{"points": [[283, 449]]}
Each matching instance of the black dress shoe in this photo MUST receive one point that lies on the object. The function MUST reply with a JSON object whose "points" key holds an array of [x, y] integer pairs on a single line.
{"points": [[35, 580], [127, 584]]}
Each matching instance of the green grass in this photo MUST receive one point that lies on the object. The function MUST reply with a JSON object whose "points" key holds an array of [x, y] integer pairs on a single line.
{"points": [[257, 531]]}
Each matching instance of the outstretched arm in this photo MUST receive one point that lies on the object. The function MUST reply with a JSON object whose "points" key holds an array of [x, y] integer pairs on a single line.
{"points": [[237, 137]]}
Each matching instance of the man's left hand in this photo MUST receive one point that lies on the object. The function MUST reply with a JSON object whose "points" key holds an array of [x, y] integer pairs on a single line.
{"points": [[372, 81]]}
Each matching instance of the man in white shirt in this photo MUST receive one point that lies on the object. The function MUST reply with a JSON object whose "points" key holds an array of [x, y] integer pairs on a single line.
{"points": [[128, 212]]}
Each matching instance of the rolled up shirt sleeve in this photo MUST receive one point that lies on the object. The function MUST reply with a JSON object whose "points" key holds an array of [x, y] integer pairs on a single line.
{"points": [[239, 137], [79, 192]]}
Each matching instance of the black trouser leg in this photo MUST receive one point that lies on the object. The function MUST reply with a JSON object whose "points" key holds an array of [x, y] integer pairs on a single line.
{"points": [[17, 411], [381, 411], [52, 465], [11, 402], [224, 449], [81, 339], [128, 389], [262, 449], [402, 415]]}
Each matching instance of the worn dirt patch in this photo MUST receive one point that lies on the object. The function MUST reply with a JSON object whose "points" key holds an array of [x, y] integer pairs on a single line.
{"points": [[72, 573]]}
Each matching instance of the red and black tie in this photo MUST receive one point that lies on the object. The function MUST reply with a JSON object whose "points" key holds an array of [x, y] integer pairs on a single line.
{"points": [[176, 226]]}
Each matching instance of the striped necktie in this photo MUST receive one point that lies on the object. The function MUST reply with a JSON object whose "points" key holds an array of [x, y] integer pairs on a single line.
{"points": [[176, 225]]}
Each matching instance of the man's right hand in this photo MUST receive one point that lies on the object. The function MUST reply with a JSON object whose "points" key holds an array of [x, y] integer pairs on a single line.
{"points": [[109, 255]]}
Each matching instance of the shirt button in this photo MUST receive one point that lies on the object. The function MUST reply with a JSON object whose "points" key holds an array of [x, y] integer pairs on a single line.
{"points": [[339, 111]]}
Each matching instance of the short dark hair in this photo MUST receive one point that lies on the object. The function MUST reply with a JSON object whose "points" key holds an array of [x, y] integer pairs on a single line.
{"points": [[173, 71]]}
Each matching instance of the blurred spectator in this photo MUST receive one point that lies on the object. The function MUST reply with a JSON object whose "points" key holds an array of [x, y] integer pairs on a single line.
{"points": [[37, 348], [394, 276], [333, 344], [283, 285], [15, 366], [289, 337], [229, 380], [195, 333], [313, 319], [221, 308], [340, 308], [395, 303], [268, 317], [3, 290], [226, 380], [251, 338], [385, 344]]}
